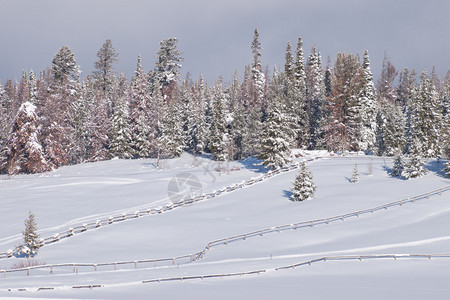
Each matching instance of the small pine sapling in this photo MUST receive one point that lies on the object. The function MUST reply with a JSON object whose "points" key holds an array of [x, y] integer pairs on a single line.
{"points": [[304, 187], [398, 167], [355, 175], [32, 242]]}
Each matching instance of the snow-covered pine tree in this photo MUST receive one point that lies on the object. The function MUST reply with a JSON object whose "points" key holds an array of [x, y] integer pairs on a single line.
{"points": [[30, 237], [344, 122], [303, 186], [446, 169], [171, 138], [258, 76], [398, 167], [390, 134], [315, 99], [64, 65], [120, 145], [414, 168], [298, 108], [25, 153], [445, 110], [139, 115], [385, 89], [275, 139], [168, 65], [367, 107], [355, 174], [4, 128], [426, 120], [104, 76], [99, 125], [218, 134], [289, 63]]}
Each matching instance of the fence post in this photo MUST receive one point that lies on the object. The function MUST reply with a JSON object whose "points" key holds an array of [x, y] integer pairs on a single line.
{"points": [[74, 268], [28, 271], [51, 269], [135, 264], [115, 266], [173, 261], [4, 273], [95, 267], [428, 195]]}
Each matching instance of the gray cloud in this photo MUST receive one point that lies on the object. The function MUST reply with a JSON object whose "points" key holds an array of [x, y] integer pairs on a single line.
{"points": [[215, 36]]}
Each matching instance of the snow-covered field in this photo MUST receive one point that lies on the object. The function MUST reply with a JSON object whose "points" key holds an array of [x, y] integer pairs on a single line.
{"points": [[86, 193]]}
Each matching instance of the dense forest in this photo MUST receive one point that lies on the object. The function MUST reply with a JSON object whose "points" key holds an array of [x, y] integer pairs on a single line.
{"points": [[58, 118]]}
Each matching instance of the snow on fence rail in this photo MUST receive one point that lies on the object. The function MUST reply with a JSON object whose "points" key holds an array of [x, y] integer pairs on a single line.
{"points": [[309, 262], [225, 241], [258, 272], [160, 209], [328, 220]]}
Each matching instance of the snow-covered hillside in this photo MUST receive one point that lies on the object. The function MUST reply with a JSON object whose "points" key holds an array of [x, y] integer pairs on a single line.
{"points": [[255, 225]]}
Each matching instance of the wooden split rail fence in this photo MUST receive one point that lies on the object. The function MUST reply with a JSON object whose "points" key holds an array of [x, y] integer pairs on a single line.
{"points": [[158, 210], [262, 271], [225, 241]]}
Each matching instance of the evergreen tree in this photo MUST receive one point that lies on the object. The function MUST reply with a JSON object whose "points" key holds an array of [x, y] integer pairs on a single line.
{"points": [[251, 138], [414, 168], [104, 75], [385, 88], [446, 169], [168, 58], [198, 128], [218, 136], [315, 99], [367, 107], [390, 134], [30, 236], [99, 127], [171, 138], [399, 166], [298, 105], [275, 143], [120, 145], [344, 126], [64, 65], [25, 153], [258, 76], [355, 174], [289, 64], [140, 112], [425, 120], [304, 187]]}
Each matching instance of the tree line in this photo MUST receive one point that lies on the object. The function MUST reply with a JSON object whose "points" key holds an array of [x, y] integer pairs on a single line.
{"points": [[57, 118]]}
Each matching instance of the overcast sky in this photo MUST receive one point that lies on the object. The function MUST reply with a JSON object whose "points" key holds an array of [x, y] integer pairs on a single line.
{"points": [[215, 36]]}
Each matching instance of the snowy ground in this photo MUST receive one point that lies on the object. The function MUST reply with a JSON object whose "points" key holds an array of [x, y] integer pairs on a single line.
{"points": [[77, 195]]}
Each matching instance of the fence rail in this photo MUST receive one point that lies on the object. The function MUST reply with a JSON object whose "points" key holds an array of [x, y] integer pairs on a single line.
{"points": [[262, 271], [225, 241], [159, 209]]}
